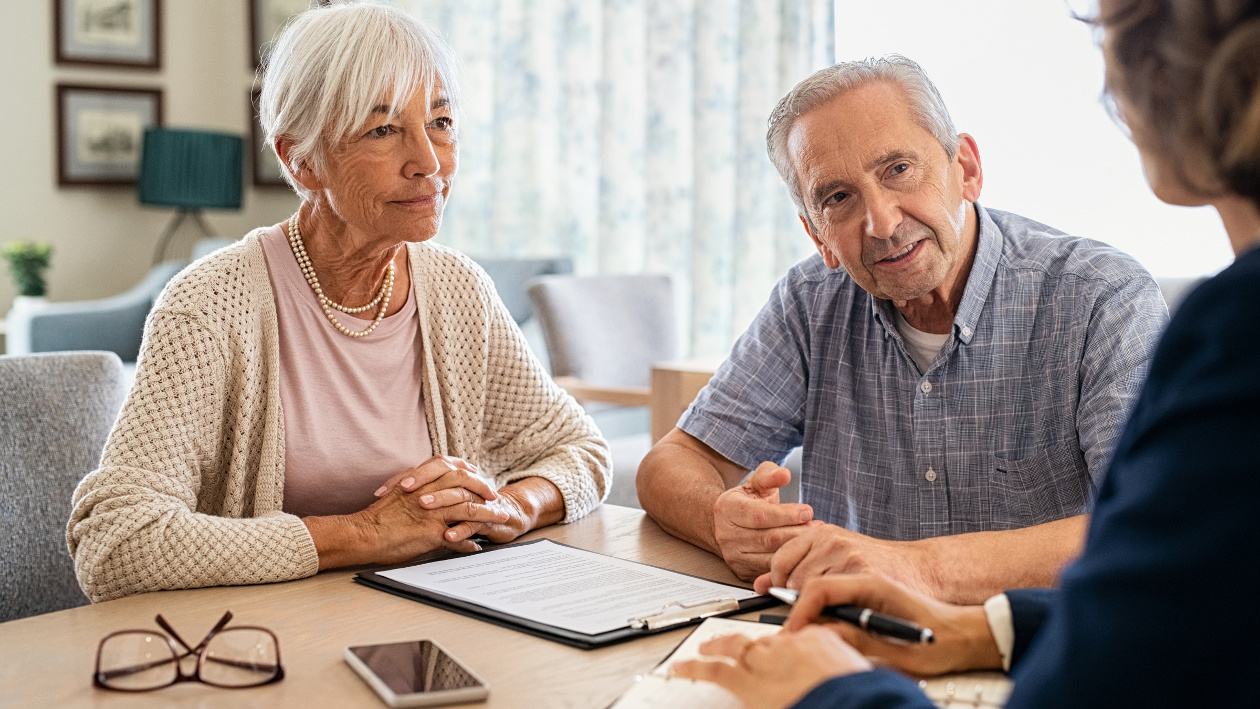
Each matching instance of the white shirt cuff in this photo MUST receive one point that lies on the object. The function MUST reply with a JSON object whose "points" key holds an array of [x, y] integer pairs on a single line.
{"points": [[997, 611]]}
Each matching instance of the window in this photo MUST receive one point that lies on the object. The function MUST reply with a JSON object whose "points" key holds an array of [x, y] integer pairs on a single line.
{"points": [[1024, 79]]}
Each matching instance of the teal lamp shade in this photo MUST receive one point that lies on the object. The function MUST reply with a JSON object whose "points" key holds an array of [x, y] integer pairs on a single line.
{"points": [[191, 169]]}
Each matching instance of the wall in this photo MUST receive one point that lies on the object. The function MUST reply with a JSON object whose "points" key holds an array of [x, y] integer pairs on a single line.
{"points": [[103, 239]]}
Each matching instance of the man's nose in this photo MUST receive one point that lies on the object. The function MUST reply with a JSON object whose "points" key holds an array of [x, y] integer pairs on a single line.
{"points": [[883, 215]]}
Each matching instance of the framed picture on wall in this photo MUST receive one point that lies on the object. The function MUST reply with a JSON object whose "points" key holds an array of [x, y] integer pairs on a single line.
{"points": [[100, 130], [267, 170], [119, 33], [266, 17]]}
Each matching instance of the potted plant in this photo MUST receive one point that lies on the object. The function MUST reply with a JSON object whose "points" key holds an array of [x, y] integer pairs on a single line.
{"points": [[27, 261]]}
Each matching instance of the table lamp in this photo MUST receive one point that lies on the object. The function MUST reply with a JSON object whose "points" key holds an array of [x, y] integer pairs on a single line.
{"points": [[191, 171]]}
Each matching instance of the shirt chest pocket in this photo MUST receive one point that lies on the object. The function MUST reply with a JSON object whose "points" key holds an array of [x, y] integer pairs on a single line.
{"points": [[1049, 485]]}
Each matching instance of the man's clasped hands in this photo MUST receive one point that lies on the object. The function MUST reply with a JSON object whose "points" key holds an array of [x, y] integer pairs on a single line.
{"points": [[781, 544]]}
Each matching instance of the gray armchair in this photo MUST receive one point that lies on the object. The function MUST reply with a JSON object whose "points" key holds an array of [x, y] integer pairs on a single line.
{"points": [[113, 324], [603, 335], [56, 413]]}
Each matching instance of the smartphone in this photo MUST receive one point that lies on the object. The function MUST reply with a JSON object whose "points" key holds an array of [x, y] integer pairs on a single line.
{"points": [[416, 674]]}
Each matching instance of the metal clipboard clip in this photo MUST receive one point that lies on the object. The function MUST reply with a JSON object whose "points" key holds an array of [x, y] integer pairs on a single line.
{"points": [[676, 613]]}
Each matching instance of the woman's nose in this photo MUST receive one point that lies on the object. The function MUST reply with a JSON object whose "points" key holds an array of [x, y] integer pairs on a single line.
{"points": [[422, 159]]}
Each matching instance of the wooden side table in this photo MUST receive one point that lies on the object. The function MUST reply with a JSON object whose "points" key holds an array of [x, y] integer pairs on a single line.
{"points": [[675, 385]]}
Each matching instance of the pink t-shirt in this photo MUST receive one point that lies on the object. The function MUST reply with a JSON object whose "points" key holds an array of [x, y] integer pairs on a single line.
{"points": [[353, 408]]}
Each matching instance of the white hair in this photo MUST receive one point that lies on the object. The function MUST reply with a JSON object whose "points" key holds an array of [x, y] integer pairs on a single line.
{"points": [[926, 107], [331, 66]]}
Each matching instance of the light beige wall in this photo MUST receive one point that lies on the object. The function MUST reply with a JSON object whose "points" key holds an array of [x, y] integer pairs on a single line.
{"points": [[103, 238]]}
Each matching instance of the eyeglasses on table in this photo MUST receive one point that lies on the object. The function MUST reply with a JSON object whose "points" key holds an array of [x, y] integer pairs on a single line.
{"points": [[233, 658]]}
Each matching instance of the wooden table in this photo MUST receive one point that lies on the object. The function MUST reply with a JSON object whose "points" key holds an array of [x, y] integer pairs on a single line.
{"points": [[47, 661]]}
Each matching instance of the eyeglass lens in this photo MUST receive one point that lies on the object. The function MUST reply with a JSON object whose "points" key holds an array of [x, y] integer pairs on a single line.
{"points": [[239, 657], [137, 660]]}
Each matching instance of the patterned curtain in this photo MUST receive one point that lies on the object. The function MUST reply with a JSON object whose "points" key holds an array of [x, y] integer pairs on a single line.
{"points": [[630, 136]]}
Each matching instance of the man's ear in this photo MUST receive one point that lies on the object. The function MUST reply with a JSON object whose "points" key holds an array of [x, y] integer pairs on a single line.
{"points": [[969, 160], [302, 173], [828, 257]]}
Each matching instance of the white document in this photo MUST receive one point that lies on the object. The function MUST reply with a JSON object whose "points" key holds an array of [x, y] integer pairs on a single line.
{"points": [[568, 588], [660, 690]]}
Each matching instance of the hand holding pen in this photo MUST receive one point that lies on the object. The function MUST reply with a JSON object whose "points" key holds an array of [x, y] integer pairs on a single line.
{"points": [[961, 639], [866, 619]]}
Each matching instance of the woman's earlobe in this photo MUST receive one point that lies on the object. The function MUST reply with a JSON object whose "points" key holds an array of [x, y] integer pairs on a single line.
{"points": [[304, 175], [301, 172]]}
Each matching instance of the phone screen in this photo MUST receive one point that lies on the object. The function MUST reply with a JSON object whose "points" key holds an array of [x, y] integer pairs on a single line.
{"points": [[415, 667]]}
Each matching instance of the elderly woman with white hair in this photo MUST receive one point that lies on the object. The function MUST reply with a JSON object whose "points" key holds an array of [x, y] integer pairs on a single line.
{"points": [[336, 389]]}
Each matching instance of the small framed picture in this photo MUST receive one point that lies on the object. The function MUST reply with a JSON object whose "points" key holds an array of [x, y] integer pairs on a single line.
{"points": [[100, 130], [121, 33], [266, 17], [267, 170]]}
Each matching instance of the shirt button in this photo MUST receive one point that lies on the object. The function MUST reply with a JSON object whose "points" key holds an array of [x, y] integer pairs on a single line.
{"points": [[930, 475], [966, 331], [926, 387]]}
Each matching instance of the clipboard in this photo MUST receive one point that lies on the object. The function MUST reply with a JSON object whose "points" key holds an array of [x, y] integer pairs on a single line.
{"points": [[668, 617]]}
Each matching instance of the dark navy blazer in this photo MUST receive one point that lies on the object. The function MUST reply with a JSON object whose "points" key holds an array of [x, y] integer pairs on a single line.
{"points": [[1163, 607]]}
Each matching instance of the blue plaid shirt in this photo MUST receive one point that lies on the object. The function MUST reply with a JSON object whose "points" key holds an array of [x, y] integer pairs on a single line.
{"points": [[1013, 423]]}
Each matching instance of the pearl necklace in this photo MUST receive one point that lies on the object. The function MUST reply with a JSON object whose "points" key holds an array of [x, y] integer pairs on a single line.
{"points": [[328, 304]]}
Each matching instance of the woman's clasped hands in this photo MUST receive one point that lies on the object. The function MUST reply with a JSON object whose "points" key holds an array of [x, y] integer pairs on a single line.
{"points": [[446, 501], [778, 670], [442, 502]]}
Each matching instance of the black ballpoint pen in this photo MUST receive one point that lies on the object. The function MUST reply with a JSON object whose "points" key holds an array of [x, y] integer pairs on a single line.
{"points": [[866, 619]]}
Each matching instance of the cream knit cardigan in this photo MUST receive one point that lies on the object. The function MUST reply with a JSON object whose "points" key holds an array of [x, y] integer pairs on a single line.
{"points": [[191, 483]]}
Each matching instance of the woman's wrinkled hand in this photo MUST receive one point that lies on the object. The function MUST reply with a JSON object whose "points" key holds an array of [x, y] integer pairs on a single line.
{"points": [[963, 638], [446, 481], [397, 527], [442, 481], [775, 671], [529, 503]]}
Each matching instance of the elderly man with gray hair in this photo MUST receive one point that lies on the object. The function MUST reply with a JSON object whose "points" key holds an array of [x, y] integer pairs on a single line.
{"points": [[957, 376]]}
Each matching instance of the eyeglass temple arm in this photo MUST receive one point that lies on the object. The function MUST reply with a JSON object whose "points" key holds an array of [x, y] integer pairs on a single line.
{"points": [[227, 618]]}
